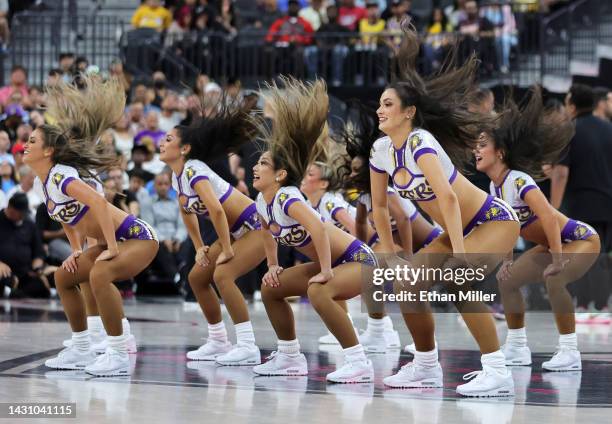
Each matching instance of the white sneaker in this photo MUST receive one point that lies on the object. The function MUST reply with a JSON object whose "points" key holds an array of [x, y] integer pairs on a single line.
{"points": [[110, 363], [71, 359], [353, 372], [283, 364], [377, 344], [412, 375], [516, 355], [210, 350], [100, 347], [330, 339], [487, 383], [411, 348], [373, 343], [239, 355], [564, 360]]}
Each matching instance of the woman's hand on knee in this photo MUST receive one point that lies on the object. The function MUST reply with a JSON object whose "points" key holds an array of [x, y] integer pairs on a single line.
{"points": [[504, 273], [555, 267], [225, 256], [271, 277], [107, 255], [201, 257], [70, 263], [322, 277]]}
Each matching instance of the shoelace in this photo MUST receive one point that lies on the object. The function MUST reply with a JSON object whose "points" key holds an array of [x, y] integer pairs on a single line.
{"points": [[474, 374], [273, 354]]}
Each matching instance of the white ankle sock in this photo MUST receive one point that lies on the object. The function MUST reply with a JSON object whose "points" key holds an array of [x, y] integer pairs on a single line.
{"points": [[388, 323], [81, 341], [118, 343], [95, 325], [244, 333], [376, 326], [126, 327], [569, 341], [495, 360], [289, 347], [217, 332], [516, 337], [354, 354], [426, 359]]}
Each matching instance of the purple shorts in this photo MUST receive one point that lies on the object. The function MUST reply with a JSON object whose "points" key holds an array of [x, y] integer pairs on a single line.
{"points": [[493, 209], [246, 222], [359, 252], [576, 230], [432, 236], [133, 228]]}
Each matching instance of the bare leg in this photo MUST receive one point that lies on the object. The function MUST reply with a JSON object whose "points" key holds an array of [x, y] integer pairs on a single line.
{"points": [[200, 279], [248, 254], [133, 257]]}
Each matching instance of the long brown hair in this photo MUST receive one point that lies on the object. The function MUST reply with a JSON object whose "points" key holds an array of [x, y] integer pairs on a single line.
{"points": [[81, 116], [441, 100], [531, 136], [294, 139]]}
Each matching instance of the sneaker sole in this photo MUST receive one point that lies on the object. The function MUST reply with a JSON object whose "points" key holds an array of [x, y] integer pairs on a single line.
{"points": [[423, 384], [565, 369], [282, 373], [518, 364], [67, 367], [245, 363], [500, 392], [115, 373], [329, 343], [354, 380]]}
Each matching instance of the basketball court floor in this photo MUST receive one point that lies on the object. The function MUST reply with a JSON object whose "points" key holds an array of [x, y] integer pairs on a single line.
{"points": [[167, 388]]}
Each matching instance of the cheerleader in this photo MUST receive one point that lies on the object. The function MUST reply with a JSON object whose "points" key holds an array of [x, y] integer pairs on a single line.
{"points": [[339, 259], [426, 124], [64, 156], [411, 231], [188, 151], [511, 155]]}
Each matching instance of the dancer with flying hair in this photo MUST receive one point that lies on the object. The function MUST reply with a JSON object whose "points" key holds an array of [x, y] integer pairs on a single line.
{"points": [[512, 155], [339, 260], [189, 151], [429, 131], [64, 156], [411, 231]]}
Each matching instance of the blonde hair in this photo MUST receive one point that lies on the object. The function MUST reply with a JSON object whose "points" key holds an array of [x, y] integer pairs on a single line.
{"points": [[300, 113], [81, 117]]}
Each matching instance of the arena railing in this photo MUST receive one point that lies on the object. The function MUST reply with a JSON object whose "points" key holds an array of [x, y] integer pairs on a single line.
{"points": [[343, 59], [37, 39]]}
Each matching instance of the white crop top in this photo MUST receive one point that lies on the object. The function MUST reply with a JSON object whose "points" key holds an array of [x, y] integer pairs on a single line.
{"points": [[194, 171], [512, 190], [385, 158], [329, 204], [285, 230], [407, 206], [61, 207]]}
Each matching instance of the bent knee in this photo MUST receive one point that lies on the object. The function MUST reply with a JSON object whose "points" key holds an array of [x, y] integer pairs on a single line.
{"points": [[223, 275], [100, 277], [64, 279]]}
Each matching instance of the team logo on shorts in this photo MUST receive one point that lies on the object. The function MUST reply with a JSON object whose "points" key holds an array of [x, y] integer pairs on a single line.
{"points": [[493, 212], [57, 179], [520, 182], [414, 142], [190, 172], [580, 231], [329, 206], [135, 230]]}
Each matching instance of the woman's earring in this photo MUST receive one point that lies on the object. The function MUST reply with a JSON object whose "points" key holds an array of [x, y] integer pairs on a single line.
{"points": [[277, 179]]}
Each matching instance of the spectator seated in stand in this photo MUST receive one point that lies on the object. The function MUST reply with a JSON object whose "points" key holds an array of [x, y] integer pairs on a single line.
{"points": [[21, 251], [152, 15]]}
